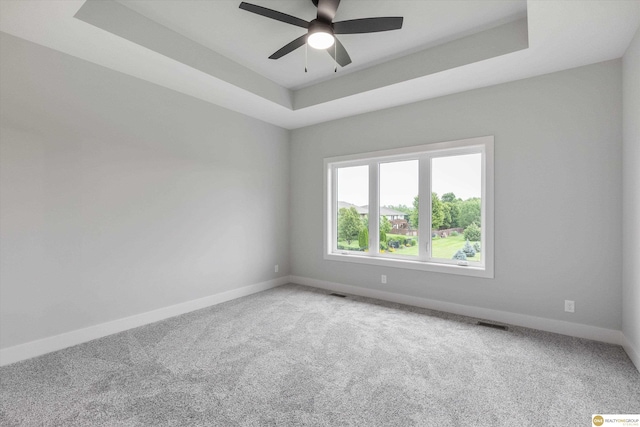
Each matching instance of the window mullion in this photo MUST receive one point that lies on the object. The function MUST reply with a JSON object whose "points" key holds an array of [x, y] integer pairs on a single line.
{"points": [[333, 221], [424, 209], [374, 209]]}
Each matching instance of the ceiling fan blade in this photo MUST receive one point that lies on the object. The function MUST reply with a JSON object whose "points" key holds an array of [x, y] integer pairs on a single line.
{"points": [[274, 14], [342, 56], [290, 47], [368, 25], [327, 9]]}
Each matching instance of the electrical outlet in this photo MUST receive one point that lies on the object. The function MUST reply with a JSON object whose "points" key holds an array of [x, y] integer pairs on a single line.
{"points": [[569, 306], [276, 268], [383, 278]]}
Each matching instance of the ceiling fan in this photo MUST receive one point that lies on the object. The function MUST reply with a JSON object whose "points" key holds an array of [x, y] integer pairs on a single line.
{"points": [[322, 30]]}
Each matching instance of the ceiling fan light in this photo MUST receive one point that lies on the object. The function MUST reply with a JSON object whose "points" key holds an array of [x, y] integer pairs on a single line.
{"points": [[320, 35], [320, 40]]}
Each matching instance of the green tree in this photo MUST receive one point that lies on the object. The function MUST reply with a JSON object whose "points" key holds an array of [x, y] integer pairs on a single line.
{"points": [[446, 210], [449, 197], [385, 227], [472, 232], [468, 250], [413, 216], [460, 255], [454, 211], [470, 211], [363, 238], [385, 224], [348, 224], [437, 212]]}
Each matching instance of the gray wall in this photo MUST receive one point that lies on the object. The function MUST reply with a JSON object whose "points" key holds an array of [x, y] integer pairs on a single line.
{"points": [[558, 181], [118, 196], [631, 195]]}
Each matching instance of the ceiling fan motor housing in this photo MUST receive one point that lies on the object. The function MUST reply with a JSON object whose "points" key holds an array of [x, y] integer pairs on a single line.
{"points": [[319, 26]]}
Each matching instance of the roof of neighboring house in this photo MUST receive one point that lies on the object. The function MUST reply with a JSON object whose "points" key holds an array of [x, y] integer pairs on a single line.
{"points": [[363, 210], [387, 211]]}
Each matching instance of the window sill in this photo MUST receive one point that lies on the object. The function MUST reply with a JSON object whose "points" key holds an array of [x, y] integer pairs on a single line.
{"points": [[483, 272]]}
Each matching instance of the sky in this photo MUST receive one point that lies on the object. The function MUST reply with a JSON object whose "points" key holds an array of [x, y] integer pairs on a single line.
{"points": [[460, 175]]}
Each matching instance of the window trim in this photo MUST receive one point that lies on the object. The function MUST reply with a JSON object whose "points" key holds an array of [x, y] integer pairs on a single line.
{"points": [[424, 154]]}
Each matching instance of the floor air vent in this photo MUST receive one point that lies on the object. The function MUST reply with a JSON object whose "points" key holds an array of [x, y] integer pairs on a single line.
{"points": [[338, 295], [493, 325]]}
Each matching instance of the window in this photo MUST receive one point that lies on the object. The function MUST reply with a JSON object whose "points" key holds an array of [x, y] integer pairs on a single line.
{"points": [[433, 204]]}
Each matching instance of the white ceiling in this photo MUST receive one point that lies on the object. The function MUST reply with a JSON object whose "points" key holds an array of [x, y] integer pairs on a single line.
{"points": [[214, 51], [249, 39]]}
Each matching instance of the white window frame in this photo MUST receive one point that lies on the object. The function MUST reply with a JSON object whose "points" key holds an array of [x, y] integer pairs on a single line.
{"points": [[424, 154]]}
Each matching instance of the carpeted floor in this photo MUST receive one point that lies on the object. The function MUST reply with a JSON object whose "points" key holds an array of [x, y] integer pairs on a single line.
{"points": [[296, 356]]}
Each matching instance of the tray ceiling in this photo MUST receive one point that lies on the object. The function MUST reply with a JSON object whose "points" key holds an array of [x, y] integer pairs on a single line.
{"points": [[214, 51]]}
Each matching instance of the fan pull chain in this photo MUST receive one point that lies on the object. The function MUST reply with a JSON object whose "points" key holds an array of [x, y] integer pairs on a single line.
{"points": [[305, 56], [335, 56]]}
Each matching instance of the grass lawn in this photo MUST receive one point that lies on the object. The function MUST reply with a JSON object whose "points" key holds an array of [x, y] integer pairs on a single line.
{"points": [[445, 248], [442, 248]]}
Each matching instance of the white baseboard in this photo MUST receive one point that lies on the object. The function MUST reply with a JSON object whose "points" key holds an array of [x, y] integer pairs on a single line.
{"points": [[550, 325], [633, 353], [58, 342]]}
